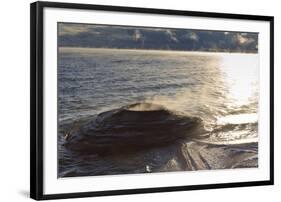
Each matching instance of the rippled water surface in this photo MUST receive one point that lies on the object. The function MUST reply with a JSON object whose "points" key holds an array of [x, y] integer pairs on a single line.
{"points": [[221, 89]]}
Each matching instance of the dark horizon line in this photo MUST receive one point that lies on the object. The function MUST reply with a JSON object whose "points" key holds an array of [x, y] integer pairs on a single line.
{"points": [[178, 50]]}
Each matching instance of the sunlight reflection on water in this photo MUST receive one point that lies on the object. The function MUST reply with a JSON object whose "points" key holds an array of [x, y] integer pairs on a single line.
{"points": [[241, 77]]}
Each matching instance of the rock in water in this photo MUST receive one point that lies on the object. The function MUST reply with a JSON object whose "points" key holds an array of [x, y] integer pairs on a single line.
{"points": [[135, 126]]}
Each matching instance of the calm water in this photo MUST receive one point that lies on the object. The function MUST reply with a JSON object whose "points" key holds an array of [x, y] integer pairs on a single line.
{"points": [[220, 88]]}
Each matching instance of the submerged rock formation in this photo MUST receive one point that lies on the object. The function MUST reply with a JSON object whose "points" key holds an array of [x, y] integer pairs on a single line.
{"points": [[135, 126]]}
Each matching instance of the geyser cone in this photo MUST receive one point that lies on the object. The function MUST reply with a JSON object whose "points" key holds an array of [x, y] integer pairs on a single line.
{"points": [[135, 126]]}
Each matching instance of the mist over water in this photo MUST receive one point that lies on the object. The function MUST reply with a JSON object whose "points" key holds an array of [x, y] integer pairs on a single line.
{"points": [[219, 88]]}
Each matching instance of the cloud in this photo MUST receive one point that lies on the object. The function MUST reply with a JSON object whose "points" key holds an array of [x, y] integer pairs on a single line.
{"points": [[72, 29], [137, 35], [192, 35], [75, 29], [172, 35], [243, 39]]}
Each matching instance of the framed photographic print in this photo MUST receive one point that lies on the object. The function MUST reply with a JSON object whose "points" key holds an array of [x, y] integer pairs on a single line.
{"points": [[134, 100]]}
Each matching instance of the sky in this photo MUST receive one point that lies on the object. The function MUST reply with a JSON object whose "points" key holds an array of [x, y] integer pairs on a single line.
{"points": [[109, 36]]}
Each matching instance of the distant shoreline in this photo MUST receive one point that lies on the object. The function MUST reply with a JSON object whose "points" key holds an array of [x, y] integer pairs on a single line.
{"points": [[155, 50]]}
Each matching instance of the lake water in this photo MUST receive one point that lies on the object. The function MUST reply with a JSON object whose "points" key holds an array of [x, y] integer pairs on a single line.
{"points": [[219, 88]]}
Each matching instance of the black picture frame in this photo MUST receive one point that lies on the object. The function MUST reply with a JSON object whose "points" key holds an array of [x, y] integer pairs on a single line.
{"points": [[37, 101]]}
